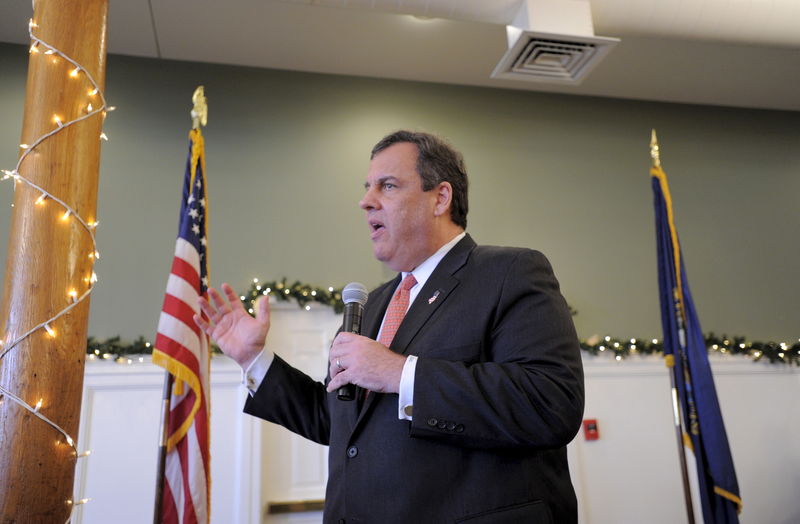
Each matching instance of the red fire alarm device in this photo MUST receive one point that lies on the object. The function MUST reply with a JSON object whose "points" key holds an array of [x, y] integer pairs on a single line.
{"points": [[590, 430]]}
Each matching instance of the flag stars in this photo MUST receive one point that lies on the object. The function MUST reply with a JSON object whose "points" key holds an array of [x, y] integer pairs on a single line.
{"points": [[203, 241], [205, 282], [193, 213], [196, 229], [190, 199]]}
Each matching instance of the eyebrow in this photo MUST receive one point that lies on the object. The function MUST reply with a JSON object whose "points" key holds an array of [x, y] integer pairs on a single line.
{"points": [[382, 180]]}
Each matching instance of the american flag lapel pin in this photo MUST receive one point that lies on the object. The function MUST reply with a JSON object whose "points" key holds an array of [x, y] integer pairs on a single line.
{"points": [[434, 297]]}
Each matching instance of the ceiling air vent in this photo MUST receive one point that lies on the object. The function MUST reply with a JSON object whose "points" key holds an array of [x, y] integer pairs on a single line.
{"points": [[542, 59], [552, 41]]}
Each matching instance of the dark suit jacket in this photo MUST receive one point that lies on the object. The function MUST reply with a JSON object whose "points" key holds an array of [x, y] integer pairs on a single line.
{"points": [[498, 394]]}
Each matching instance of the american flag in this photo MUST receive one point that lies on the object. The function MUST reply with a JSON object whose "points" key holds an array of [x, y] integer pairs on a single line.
{"points": [[183, 350]]}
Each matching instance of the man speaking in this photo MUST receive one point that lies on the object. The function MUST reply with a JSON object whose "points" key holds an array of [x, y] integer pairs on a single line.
{"points": [[468, 369]]}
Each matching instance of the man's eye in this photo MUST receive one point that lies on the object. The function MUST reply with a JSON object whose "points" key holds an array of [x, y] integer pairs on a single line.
{"points": [[388, 185]]}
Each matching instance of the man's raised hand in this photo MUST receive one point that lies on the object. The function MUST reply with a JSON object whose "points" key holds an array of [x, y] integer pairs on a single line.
{"points": [[237, 334]]}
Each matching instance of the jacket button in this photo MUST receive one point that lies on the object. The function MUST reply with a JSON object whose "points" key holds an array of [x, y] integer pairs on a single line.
{"points": [[451, 426], [432, 422], [442, 424], [352, 451], [460, 428]]}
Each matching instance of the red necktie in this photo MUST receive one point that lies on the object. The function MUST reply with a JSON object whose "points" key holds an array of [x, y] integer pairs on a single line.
{"points": [[396, 310]]}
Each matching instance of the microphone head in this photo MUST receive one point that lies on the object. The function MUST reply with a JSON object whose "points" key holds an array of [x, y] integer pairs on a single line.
{"points": [[355, 292]]}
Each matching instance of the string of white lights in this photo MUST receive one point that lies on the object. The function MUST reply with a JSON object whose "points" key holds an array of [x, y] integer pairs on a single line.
{"points": [[18, 176], [37, 44], [35, 411]]}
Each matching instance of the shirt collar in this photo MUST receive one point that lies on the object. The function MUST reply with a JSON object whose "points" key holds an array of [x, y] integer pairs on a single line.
{"points": [[423, 271]]}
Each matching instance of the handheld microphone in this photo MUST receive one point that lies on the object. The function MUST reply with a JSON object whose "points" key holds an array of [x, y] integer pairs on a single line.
{"points": [[354, 296]]}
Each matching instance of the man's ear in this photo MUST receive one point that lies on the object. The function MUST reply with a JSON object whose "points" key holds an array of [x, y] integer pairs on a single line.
{"points": [[444, 199]]}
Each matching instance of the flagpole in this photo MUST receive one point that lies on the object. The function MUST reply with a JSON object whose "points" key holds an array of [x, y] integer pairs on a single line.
{"points": [[655, 153], [162, 446]]}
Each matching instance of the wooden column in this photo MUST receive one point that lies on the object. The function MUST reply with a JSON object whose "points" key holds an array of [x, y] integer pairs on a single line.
{"points": [[48, 256]]}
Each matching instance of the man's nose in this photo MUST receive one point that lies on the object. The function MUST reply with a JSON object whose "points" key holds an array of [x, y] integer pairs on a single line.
{"points": [[368, 201]]}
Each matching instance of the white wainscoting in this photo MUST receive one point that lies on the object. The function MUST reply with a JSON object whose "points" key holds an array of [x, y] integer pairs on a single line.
{"points": [[630, 475]]}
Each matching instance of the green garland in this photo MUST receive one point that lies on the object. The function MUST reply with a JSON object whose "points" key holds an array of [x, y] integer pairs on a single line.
{"points": [[304, 294], [774, 352]]}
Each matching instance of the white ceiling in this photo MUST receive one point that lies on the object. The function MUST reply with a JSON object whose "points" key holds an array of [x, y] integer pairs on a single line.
{"points": [[743, 53]]}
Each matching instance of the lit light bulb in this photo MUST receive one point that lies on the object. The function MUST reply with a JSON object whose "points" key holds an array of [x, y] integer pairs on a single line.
{"points": [[50, 331], [49, 52], [308, 308], [94, 277], [41, 199], [93, 92], [24, 146], [103, 136], [32, 24], [85, 453], [73, 295], [147, 344], [66, 214], [34, 48], [89, 108], [74, 72], [255, 281], [38, 406]]}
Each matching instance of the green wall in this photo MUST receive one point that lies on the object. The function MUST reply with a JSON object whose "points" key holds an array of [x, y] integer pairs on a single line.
{"points": [[287, 154]]}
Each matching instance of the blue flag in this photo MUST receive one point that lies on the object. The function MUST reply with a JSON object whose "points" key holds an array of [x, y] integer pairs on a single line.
{"points": [[704, 437]]}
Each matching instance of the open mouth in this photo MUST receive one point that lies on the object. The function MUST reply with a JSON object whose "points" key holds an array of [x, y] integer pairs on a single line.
{"points": [[375, 227]]}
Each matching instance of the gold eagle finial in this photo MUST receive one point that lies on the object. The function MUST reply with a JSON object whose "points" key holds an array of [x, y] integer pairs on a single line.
{"points": [[200, 110]]}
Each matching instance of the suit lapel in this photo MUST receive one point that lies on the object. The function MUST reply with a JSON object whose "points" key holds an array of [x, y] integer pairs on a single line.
{"points": [[430, 298]]}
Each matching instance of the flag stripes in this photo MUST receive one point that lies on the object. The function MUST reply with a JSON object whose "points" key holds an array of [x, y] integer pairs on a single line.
{"points": [[183, 350]]}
